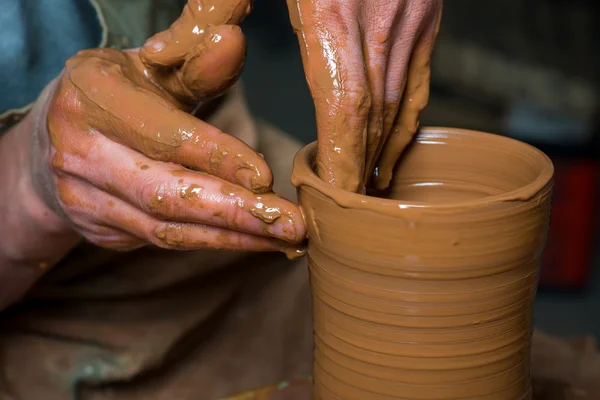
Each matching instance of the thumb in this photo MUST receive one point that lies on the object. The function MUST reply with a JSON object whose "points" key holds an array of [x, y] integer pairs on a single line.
{"points": [[202, 53]]}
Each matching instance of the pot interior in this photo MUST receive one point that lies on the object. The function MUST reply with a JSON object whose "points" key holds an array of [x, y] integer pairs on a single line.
{"points": [[454, 166]]}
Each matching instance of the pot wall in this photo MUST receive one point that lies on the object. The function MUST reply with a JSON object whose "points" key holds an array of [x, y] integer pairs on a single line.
{"points": [[429, 296]]}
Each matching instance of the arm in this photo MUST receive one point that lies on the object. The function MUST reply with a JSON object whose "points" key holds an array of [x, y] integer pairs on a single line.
{"points": [[34, 237], [111, 155]]}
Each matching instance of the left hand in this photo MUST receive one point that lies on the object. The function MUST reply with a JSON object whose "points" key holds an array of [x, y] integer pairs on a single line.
{"points": [[367, 67]]}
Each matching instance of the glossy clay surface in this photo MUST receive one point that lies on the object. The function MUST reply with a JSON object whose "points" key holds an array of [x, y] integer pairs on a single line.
{"points": [[429, 296]]}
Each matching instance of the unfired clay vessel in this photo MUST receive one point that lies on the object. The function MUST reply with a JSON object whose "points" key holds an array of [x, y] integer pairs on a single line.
{"points": [[427, 294]]}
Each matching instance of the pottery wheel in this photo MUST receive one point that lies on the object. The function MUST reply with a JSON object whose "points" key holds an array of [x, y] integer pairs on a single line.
{"points": [[301, 390]]}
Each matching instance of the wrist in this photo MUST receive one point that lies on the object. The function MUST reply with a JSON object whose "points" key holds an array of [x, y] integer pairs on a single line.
{"points": [[40, 237], [36, 236]]}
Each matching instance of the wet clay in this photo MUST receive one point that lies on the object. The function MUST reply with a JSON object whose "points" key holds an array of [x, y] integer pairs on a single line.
{"points": [[208, 186], [427, 294], [178, 56], [389, 148], [360, 139], [199, 57], [340, 160]]}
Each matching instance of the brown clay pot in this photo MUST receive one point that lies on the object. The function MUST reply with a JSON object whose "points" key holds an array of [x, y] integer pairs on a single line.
{"points": [[427, 294]]}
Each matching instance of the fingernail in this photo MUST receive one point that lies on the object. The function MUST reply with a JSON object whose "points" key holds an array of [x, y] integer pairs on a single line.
{"points": [[154, 45], [243, 177], [250, 180], [283, 229], [258, 186], [382, 179]]}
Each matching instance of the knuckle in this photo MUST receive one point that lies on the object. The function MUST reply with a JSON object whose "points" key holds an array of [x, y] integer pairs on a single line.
{"points": [[157, 200], [81, 57], [356, 99], [66, 102], [168, 235], [152, 198], [57, 162], [71, 201], [334, 12], [61, 164], [65, 194], [417, 11], [233, 218], [363, 98], [96, 73]]}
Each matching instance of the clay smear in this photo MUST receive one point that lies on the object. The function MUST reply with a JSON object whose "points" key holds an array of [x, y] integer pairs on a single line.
{"points": [[360, 138], [426, 295]]}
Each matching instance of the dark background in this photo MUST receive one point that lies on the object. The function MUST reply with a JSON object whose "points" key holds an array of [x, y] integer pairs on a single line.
{"points": [[527, 69]]}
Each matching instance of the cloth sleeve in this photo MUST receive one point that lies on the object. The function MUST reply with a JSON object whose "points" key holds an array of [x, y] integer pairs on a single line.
{"points": [[36, 38]]}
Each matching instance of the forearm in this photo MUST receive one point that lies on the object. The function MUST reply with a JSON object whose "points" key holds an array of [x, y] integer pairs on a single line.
{"points": [[34, 237]]}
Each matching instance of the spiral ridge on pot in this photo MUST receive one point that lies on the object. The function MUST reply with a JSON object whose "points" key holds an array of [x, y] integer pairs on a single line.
{"points": [[373, 343], [430, 302]]}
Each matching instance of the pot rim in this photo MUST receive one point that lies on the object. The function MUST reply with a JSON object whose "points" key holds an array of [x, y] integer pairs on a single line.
{"points": [[305, 157]]}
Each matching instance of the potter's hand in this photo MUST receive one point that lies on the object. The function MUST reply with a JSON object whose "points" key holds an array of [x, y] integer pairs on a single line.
{"points": [[119, 136], [367, 66]]}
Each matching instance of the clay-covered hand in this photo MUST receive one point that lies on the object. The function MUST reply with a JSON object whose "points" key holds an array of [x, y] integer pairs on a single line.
{"points": [[127, 164], [367, 67]]}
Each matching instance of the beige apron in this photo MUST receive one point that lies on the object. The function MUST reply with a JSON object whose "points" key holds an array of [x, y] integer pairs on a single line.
{"points": [[157, 324]]}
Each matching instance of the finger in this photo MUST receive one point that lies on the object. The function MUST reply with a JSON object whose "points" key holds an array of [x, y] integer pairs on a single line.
{"points": [[412, 25], [115, 239], [168, 192], [213, 67], [143, 121], [170, 48], [400, 42], [333, 64], [378, 23], [210, 63], [85, 206], [170, 235], [183, 59], [414, 99]]}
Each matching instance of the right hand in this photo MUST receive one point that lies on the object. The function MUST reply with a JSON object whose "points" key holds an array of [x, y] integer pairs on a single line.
{"points": [[121, 155], [367, 67]]}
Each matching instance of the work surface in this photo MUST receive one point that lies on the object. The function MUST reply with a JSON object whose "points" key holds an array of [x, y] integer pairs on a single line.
{"points": [[301, 390], [294, 390], [562, 369]]}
